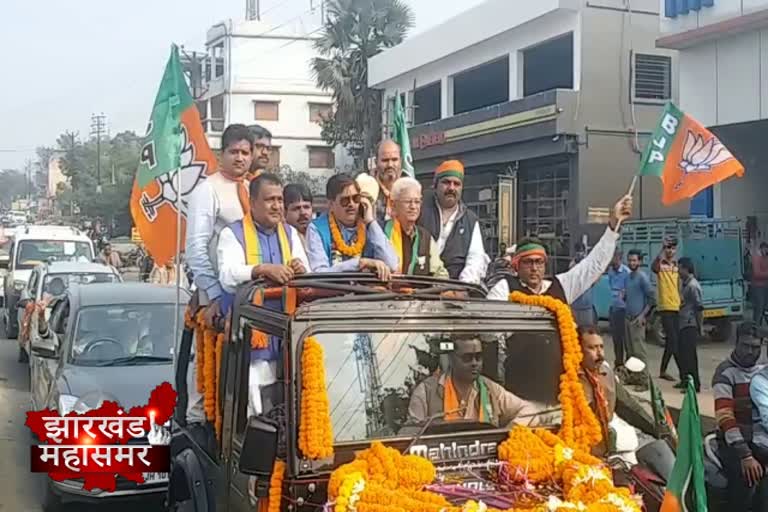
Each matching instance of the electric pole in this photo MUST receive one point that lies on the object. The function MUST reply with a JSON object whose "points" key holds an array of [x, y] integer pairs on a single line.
{"points": [[98, 127], [28, 173]]}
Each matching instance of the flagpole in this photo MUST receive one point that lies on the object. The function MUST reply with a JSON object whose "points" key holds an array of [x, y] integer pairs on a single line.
{"points": [[177, 264]]}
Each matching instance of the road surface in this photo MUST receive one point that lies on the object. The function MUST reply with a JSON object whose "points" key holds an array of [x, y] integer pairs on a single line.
{"points": [[20, 490]]}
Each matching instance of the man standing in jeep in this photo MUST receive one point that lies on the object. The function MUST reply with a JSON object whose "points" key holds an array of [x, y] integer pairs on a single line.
{"points": [[463, 393], [530, 263]]}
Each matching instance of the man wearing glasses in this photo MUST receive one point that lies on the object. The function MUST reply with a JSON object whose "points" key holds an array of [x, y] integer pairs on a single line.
{"points": [[347, 238], [413, 244], [262, 149], [463, 393], [530, 262]]}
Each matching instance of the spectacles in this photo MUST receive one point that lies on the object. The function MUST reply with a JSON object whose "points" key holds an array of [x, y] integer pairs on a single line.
{"points": [[410, 202], [472, 356], [533, 262], [348, 200]]}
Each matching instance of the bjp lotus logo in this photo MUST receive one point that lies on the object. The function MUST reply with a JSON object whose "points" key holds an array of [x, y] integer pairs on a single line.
{"points": [[702, 156]]}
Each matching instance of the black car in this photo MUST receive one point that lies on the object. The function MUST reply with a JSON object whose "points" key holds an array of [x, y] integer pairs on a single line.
{"points": [[106, 342]]}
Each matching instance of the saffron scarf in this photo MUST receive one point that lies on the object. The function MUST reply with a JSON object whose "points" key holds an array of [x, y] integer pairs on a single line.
{"points": [[253, 256], [394, 232], [452, 404], [601, 403]]}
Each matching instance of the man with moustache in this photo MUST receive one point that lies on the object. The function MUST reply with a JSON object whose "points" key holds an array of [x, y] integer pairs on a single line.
{"points": [[298, 208], [260, 246], [215, 203], [389, 167], [347, 238], [530, 263], [413, 244], [738, 434], [463, 393], [599, 383], [262, 148], [455, 228]]}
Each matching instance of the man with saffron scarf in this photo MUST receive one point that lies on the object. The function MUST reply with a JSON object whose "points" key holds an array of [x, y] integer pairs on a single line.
{"points": [[455, 228], [347, 238], [530, 262], [599, 384], [215, 203], [260, 246], [463, 393], [389, 167], [413, 244]]}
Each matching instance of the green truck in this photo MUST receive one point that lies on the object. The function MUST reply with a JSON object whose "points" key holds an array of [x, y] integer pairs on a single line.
{"points": [[716, 248]]}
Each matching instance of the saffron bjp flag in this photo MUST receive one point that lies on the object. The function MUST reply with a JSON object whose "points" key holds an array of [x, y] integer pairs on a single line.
{"points": [[175, 158], [686, 490], [686, 156], [401, 137]]}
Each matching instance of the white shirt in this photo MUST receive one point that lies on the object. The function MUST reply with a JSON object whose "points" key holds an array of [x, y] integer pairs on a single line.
{"points": [[213, 205], [477, 260], [233, 269], [578, 279]]}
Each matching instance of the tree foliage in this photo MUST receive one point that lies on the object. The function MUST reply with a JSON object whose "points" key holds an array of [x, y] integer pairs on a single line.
{"points": [[315, 183], [355, 31], [13, 184], [119, 160]]}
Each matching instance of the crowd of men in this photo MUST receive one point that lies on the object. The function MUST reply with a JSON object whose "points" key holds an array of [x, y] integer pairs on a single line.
{"points": [[243, 224]]}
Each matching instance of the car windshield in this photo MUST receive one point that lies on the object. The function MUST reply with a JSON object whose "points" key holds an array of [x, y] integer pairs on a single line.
{"points": [[55, 285], [34, 252], [387, 384], [123, 334]]}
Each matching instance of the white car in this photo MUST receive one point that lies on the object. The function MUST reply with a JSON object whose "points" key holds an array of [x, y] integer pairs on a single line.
{"points": [[31, 246], [51, 281]]}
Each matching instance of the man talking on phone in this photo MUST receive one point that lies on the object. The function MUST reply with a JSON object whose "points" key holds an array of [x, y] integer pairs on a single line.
{"points": [[348, 238]]}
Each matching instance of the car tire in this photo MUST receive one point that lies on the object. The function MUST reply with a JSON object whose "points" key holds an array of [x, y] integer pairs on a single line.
{"points": [[723, 329], [23, 356], [11, 327], [51, 500]]}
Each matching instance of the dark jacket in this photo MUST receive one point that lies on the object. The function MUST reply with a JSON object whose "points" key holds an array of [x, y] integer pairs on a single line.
{"points": [[454, 254]]}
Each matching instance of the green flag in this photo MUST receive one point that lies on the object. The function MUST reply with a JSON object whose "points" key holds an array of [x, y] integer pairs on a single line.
{"points": [[688, 472], [401, 137]]}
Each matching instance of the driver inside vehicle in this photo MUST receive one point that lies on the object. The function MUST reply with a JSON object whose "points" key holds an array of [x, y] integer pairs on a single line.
{"points": [[463, 393]]}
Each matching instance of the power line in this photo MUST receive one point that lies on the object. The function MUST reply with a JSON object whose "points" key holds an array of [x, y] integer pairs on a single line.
{"points": [[98, 127]]}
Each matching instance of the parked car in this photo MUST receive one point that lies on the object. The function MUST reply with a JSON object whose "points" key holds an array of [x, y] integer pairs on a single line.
{"points": [[31, 246], [50, 281], [110, 342]]}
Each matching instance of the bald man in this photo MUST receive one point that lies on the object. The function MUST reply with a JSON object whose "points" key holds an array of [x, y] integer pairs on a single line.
{"points": [[389, 167]]}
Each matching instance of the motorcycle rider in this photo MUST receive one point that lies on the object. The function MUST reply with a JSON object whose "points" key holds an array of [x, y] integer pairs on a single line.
{"points": [[739, 436]]}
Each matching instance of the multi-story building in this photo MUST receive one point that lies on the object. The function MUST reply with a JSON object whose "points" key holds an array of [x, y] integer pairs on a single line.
{"points": [[258, 74], [547, 103], [723, 53]]}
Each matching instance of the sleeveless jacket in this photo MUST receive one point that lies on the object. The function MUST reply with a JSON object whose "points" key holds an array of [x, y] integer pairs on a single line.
{"points": [[456, 248], [555, 289]]}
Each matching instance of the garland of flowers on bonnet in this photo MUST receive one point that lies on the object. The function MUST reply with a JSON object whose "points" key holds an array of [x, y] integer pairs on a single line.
{"points": [[381, 479]]}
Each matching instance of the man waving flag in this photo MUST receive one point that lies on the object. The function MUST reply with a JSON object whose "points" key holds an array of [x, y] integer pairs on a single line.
{"points": [[686, 490], [686, 156], [175, 158]]}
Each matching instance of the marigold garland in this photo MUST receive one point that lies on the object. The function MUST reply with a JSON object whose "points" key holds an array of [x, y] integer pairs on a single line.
{"points": [[219, 349], [529, 458], [200, 352], [580, 427], [276, 486], [209, 374], [350, 251], [315, 429]]}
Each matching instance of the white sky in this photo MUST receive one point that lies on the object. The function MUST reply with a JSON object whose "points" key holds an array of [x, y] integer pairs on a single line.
{"points": [[64, 60]]}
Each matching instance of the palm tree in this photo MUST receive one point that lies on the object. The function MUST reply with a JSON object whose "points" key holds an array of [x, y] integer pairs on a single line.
{"points": [[353, 32]]}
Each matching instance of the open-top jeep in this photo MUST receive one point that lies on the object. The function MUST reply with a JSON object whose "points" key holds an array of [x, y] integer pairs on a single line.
{"points": [[379, 342]]}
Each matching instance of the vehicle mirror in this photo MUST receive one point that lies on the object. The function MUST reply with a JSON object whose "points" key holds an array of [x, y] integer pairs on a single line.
{"points": [[259, 448]]}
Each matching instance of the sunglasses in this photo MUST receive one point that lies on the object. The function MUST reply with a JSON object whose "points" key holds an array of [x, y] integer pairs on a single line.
{"points": [[472, 356], [348, 200]]}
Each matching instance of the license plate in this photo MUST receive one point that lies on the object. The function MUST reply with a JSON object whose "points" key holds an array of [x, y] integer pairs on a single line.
{"points": [[714, 313], [154, 478]]}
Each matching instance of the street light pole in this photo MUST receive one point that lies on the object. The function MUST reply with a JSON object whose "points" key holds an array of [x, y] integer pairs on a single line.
{"points": [[98, 125]]}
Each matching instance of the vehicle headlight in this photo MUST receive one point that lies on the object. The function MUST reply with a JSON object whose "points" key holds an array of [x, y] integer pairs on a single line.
{"points": [[67, 404], [19, 285]]}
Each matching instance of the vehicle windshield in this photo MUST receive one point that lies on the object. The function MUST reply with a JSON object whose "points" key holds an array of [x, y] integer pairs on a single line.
{"points": [[386, 384], [55, 285], [31, 253], [116, 333]]}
